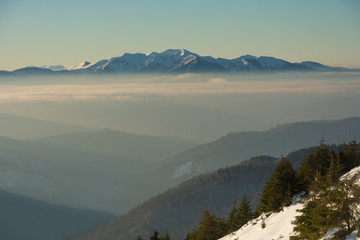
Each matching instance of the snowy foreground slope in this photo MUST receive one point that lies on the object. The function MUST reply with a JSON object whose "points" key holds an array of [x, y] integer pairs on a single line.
{"points": [[278, 225]]}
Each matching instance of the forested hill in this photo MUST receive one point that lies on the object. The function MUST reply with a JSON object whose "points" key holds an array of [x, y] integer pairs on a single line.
{"points": [[235, 147], [30, 219], [179, 209]]}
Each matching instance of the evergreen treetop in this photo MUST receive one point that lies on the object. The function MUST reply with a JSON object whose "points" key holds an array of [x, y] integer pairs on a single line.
{"points": [[279, 189]]}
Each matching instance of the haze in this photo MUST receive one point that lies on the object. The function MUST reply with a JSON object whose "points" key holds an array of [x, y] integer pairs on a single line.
{"points": [[197, 107]]}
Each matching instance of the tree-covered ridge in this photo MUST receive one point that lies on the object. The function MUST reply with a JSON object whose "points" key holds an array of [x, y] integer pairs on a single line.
{"points": [[329, 202], [179, 209], [212, 227], [325, 164], [156, 236]]}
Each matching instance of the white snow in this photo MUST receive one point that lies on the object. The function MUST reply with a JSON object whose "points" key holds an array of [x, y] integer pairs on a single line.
{"points": [[53, 67], [351, 173], [78, 66], [278, 225], [329, 234], [180, 59], [352, 236]]}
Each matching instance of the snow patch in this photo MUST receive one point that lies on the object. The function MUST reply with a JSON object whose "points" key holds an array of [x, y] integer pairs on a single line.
{"points": [[79, 66], [351, 173], [278, 225], [329, 234], [183, 169], [14, 179], [352, 236]]}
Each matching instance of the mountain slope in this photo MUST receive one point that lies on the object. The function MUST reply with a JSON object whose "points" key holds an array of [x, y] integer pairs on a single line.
{"points": [[54, 67], [33, 70], [179, 209], [184, 61], [7, 74], [236, 147], [26, 218], [18, 127], [119, 144], [92, 170], [278, 225]]}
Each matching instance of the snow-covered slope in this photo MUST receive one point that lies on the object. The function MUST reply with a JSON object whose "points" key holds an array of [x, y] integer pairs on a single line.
{"points": [[54, 67], [278, 225], [183, 61], [81, 65]]}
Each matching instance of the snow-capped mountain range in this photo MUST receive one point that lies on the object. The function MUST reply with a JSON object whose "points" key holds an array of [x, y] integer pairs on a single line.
{"points": [[182, 61]]}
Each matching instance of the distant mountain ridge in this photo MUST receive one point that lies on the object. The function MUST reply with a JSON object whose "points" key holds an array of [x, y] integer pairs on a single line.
{"points": [[235, 147], [26, 218], [181, 61], [20, 127], [84, 169]]}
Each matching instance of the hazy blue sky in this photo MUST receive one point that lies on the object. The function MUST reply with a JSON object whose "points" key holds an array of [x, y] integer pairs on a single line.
{"points": [[39, 32]]}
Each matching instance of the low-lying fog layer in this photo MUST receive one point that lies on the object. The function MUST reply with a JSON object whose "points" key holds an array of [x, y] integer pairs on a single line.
{"points": [[193, 106]]}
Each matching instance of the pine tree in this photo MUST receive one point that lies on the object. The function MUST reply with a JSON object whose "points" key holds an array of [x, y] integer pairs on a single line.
{"points": [[350, 155], [313, 222], [210, 228], [244, 213], [155, 235], [329, 206], [233, 222], [317, 161], [207, 227], [165, 237], [279, 189], [334, 168]]}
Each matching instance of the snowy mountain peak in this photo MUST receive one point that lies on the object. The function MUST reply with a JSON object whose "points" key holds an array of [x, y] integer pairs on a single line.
{"points": [[177, 52], [152, 53], [78, 66], [247, 57], [53, 67], [184, 61]]}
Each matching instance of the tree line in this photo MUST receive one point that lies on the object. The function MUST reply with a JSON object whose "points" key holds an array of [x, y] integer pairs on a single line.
{"points": [[328, 202], [317, 177]]}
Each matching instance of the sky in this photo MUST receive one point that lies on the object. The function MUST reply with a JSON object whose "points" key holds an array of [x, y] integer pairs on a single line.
{"points": [[67, 32]]}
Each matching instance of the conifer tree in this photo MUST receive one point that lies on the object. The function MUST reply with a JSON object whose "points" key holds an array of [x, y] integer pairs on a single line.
{"points": [[165, 237], [279, 189], [155, 235], [334, 170], [329, 206], [210, 228], [244, 213], [207, 227], [317, 161], [350, 155], [233, 222]]}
